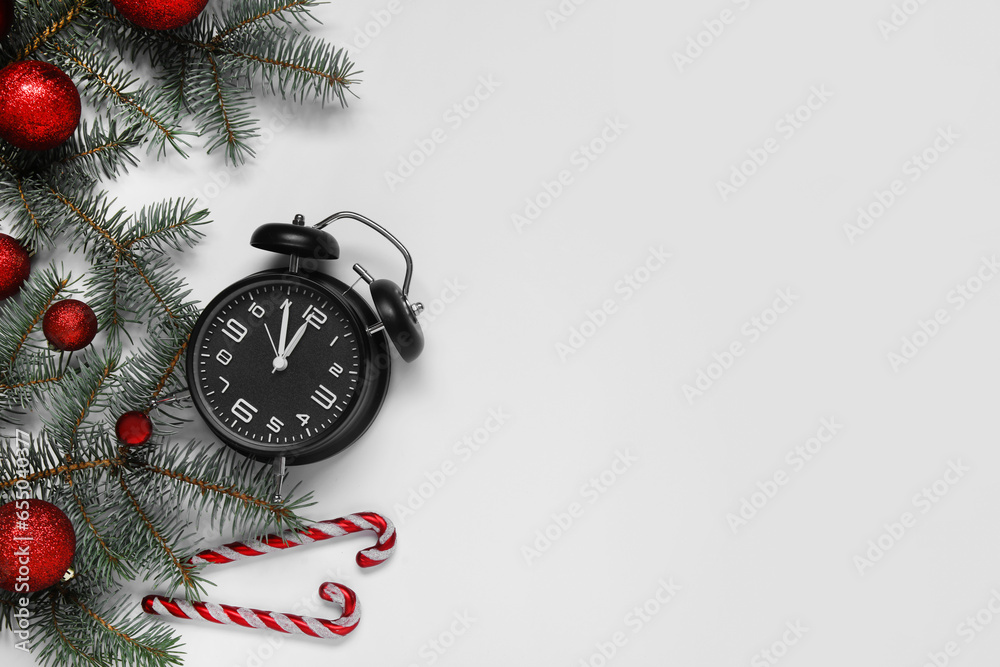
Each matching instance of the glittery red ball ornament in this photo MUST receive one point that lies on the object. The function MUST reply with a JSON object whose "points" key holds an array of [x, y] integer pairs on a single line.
{"points": [[15, 265], [160, 14], [134, 428], [6, 17], [69, 325], [39, 105], [39, 533]]}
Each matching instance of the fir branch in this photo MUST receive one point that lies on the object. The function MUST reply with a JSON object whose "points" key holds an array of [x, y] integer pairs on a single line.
{"points": [[96, 214], [183, 571], [50, 653], [57, 471], [227, 110], [18, 318], [96, 152], [235, 493], [244, 16], [108, 81], [37, 233], [95, 532], [154, 368], [297, 67], [77, 396], [126, 640], [169, 224], [58, 24]]}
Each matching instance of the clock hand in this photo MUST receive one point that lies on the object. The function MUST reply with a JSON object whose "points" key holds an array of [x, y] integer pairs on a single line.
{"points": [[284, 328], [271, 339], [280, 362], [295, 340]]}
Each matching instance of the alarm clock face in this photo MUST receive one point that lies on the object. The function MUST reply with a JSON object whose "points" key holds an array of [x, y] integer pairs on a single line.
{"points": [[283, 365]]}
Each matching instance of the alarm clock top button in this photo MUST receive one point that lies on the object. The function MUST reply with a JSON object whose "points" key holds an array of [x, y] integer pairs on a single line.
{"points": [[288, 239]]}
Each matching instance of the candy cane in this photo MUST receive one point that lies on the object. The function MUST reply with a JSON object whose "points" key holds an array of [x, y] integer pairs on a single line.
{"points": [[324, 530], [288, 623], [225, 614]]}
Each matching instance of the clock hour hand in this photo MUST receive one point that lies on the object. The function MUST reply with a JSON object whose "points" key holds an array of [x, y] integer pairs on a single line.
{"points": [[281, 361], [295, 340]]}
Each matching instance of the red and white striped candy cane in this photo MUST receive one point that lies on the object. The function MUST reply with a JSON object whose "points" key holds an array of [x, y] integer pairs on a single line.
{"points": [[225, 614], [289, 623], [324, 530]]}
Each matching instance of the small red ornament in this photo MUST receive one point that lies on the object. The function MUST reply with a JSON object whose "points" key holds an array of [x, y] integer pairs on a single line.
{"points": [[6, 17], [39, 105], [69, 325], [134, 428], [15, 265], [160, 14], [41, 529]]}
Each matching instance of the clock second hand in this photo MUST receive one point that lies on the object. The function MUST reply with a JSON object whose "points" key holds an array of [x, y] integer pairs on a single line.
{"points": [[270, 338]]}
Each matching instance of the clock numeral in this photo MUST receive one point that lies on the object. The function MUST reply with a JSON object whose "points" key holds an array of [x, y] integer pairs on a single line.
{"points": [[235, 330], [314, 316], [244, 410], [303, 419], [275, 424], [336, 370], [227, 384], [224, 357], [257, 310], [324, 397]]}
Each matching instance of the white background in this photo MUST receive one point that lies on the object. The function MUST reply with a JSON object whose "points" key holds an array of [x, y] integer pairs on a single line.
{"points": [[523, 291]]}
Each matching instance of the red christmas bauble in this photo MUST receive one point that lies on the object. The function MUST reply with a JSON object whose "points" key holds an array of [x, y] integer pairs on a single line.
{"points": [[6, 17], [69, 325], [39, 533], [134, 428], [160, 14], [39, 105], [15, 265]]}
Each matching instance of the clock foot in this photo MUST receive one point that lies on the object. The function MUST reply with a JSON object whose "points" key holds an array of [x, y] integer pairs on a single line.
{"points": [[278, 470]]}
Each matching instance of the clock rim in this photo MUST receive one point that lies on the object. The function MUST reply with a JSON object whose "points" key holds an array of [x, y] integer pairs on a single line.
{"points": [[372, 387]]}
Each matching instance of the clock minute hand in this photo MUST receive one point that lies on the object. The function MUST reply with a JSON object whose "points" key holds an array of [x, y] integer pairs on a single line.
{"points": [[284, 328]]}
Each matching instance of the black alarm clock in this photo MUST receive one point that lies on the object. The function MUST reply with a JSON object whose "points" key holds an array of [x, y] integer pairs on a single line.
{"points": [[292, 365]]}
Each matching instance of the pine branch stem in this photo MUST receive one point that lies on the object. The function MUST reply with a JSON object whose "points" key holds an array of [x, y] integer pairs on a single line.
{"points": [[62, 635], [169, 371], [22, 385], [124, 636], [124, 98], [61, 470], [90, 523], [38, 316], [258, 17], [89, 403], [53, 29], [184, 569], [230, 491], [230, 135]]}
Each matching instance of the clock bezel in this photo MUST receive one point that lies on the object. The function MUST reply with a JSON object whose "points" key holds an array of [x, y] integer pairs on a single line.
{"points": [[373, 385]]}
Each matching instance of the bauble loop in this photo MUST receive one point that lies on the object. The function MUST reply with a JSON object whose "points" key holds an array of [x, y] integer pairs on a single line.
{"points": [[39, 105], [69, 325], [134, 428], [160, 14], [44, 531], [15, 265]]}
